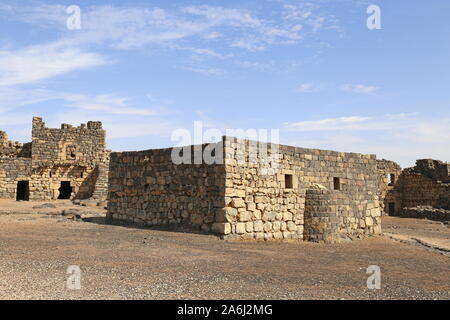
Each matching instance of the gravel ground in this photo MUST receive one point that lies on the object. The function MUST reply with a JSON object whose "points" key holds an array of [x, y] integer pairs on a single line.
{"points": [[125, 262], [431, 235]]}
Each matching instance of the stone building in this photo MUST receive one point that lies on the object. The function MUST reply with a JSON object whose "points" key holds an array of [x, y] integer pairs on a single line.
{"points": [[390, 199], [285, 193], [66, 163], [427, 184]]}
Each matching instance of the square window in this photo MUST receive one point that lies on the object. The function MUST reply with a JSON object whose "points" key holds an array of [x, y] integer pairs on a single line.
{"points": [[337, 183], [288, 182]]}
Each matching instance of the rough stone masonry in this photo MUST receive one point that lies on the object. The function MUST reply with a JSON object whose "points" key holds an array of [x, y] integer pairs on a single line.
{"points": [[253, 190], [422, 191], [66, 163], [311, 194]]}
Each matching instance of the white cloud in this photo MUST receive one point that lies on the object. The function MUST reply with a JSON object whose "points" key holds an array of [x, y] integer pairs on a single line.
{"points": [[41, 62], [402, 137], [158, 128], [306, 87], [432, 132], [250, 45], [359, 88], [329, 124], [204, 70], [13, 98], [308, 14], [13, 120], [133, 27], [107, 104], [226, 16]]}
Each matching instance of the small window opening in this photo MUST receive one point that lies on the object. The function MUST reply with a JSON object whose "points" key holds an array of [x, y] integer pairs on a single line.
{"points": [[288, 181], [50, 174], [337, 183], [391, 179], [81, 174]]}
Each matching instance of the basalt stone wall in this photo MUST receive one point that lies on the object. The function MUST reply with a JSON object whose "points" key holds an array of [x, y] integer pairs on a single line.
{"points": [[74, 155], [425, 184], [147, 187], [11, 171], [85, 144], [257, 203], [424, 212], [258, 193], [388, 186], [265, 195], [433, 169], [419, 190], [13, 149], [321, 216]]}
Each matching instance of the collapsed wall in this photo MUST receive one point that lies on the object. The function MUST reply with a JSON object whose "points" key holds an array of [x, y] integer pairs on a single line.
{"points": [[249, 196], [414, 192], [13, 149], [426, 184]]}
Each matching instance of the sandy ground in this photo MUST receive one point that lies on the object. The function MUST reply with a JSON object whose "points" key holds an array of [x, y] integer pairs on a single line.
{"points": [[125, 262]]}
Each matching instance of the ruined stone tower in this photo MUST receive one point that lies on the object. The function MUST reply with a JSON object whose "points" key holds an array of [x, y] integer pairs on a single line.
{"points": [[66, 163]]}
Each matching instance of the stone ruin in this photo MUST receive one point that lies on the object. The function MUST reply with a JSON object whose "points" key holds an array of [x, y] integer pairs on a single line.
{"points": [[285, 193], [312, 194], [66, 163], [422, 191]]}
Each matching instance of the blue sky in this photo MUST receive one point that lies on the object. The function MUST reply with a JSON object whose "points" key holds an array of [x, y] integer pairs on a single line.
{"points": [[311, 69]]}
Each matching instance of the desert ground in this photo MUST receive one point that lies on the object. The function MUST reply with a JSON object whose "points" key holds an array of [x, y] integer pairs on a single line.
{"points": [[129, 262]]}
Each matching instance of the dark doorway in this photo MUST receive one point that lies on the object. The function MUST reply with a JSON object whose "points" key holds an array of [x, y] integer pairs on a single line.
{"points": [[65, 191], [391, 209], [23, 191]]}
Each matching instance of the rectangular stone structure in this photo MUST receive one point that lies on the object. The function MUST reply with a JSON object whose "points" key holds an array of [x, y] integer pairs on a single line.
{"points": [[246, 196]]}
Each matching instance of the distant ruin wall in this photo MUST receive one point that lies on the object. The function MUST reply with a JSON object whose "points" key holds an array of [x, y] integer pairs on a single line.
{"points": [[434, 169], [146, 187], [389, 193], [74, 155], [13, 149], [11, 171], [83, 144], [424, 212], [419, 190], [425, 184]]}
